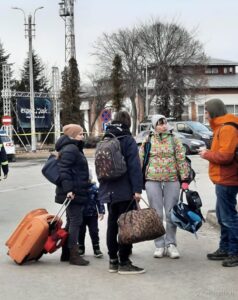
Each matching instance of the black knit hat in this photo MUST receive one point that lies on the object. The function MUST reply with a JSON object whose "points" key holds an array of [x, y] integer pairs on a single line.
{"points": [[215, 108]]}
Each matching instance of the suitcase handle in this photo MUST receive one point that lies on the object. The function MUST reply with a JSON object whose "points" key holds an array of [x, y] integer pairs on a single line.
{"points": [[62, 210]]}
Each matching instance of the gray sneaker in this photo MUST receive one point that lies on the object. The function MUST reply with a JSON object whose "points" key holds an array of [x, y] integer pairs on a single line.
{"points": [[129, 268]]}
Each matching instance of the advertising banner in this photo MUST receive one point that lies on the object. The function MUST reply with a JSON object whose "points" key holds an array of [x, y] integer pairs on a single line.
{"points": [[43, 109]]}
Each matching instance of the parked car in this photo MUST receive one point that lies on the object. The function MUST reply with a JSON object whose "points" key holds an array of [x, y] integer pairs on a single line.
{"points": [[9, 146], [191, 145], [193, 130]]}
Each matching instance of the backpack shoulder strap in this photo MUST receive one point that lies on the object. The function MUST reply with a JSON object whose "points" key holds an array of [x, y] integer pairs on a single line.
{"points": [[113, 136], [232, 124], [147, 148], [227, 123]]}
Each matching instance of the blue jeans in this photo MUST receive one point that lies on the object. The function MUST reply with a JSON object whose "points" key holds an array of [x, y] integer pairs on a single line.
{"points": [[227, 218]]}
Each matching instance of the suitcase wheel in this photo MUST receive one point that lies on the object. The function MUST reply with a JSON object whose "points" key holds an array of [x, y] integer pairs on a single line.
{"points": [[37, 258], [23, 261]]}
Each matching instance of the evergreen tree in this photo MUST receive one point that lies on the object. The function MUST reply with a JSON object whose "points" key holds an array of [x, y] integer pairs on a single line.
{"points": [[3, 60], [117, 83], [70, 95], [40, 81]]}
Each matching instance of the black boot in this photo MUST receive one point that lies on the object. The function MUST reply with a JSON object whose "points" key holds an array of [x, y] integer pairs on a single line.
{"points": [[65, 253], [75, 258], [97, 252]]}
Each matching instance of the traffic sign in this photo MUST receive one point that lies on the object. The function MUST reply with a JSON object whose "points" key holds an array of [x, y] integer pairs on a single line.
{"points": [[6, 120], [106, 115]]}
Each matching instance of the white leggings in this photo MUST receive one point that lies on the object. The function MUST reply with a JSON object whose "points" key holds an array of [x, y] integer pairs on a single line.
{"points": [[164, 195]]}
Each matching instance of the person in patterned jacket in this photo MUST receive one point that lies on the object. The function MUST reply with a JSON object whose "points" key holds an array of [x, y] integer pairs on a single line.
{"points": [[3, 160], [166, 161]]}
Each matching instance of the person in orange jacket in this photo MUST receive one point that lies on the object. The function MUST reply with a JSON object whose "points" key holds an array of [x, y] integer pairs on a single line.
{"points": [[223, 172]]}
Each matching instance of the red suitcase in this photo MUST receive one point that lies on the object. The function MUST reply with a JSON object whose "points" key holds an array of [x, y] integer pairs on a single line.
{"points": [[57, 235], [29, 239]]}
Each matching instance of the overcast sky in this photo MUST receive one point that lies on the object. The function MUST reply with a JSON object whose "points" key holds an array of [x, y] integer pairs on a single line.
{"points": [[216, 20]]}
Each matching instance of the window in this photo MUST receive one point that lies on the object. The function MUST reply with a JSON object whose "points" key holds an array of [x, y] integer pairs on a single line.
{"points": [[184, 128], [200, 109], [214, 70], [211, 70], [201, 117], [236, 110], [185, 113], [230, 109]]}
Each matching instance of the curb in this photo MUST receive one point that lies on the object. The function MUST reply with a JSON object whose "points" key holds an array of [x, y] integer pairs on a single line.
{"points": [[212, 219], [39, 154]]}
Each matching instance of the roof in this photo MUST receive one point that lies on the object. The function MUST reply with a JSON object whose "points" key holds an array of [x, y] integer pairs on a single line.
{"points": [[219, 81], [220, 62]]}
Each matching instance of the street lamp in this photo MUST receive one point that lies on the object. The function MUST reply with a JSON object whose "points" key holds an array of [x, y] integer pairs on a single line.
{"points": [[146, 91], [29, 32]]}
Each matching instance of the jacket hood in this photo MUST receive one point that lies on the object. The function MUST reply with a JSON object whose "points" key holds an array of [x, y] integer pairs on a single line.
{"points": [[156, 118], [219, 121], [65, 140], [117, 129]]}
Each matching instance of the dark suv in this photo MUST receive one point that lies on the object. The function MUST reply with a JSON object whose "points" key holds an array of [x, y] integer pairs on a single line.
{"points": [[194, 130]]}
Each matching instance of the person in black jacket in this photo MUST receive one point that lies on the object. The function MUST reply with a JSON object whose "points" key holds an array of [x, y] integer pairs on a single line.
{"points": [[94, 210], [74, 174], [3, 160], [119, 194]]}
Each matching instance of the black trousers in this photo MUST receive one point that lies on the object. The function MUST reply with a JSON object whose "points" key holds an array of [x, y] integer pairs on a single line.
{"points": [[74, 215], [116, 250], [92, 223]]}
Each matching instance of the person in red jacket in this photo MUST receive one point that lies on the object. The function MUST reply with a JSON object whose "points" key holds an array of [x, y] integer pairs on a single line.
{"points": [[223, 172]]}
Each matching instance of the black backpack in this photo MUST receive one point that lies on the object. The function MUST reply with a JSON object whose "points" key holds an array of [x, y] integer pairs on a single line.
{"points": [[109, 161]]}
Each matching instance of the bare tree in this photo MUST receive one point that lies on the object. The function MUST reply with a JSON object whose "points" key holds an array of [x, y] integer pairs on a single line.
{"points": [[101, 94], [174, 58], [176, 64], [125, 43]]}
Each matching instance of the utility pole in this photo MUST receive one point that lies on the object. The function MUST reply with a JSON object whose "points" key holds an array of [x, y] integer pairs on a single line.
{"points": [[66, 12], [6, 95], [146, 91], [55, 95], [30, 32]]}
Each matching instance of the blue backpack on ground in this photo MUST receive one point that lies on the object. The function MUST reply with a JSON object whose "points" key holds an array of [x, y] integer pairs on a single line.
{"points": [[51, 169]]}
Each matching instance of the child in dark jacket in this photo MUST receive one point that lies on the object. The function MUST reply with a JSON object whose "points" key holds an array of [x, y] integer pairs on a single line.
{"points": [[93, 211]]}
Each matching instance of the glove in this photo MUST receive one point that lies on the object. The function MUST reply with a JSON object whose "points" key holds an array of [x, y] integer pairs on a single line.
{"points": [[184, 186]]}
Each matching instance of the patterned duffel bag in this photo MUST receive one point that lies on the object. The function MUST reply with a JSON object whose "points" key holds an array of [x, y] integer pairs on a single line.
{"points": [[140, 225]]}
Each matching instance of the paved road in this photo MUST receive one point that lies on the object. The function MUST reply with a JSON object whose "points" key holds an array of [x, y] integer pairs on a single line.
{"points": [[190, 277]]}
